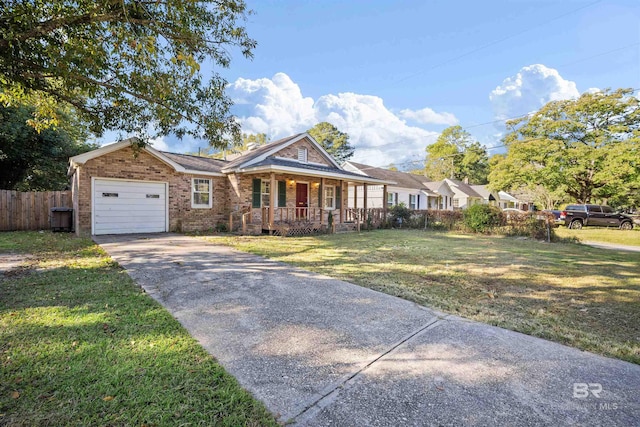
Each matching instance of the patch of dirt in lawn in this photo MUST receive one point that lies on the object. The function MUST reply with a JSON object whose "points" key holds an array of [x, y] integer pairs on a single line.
{"points": [[12, 265]]}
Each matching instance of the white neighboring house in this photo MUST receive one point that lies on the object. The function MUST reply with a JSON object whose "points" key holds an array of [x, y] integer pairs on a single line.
{"points": [[509, 201], [412, 190], [467, 195], [464, 194]]}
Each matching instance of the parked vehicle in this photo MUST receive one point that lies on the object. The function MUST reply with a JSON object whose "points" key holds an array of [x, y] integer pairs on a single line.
{"points": [[578, 216], [556, 215]]}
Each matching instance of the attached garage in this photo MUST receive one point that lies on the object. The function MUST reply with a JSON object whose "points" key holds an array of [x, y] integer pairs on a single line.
{"points": [[127, 206]]}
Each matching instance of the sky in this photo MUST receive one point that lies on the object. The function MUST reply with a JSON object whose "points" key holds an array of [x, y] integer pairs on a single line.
{"points": [[394, 74]]}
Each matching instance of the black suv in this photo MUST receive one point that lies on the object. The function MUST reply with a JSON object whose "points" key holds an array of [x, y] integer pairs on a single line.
{"points": [[577, 216]]}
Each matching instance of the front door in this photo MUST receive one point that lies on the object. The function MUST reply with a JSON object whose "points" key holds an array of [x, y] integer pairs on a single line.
{"points": [[302, 199]]}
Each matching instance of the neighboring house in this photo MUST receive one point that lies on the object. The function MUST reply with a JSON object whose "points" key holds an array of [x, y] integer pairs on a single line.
{"points": [[488, 197], [410, 189], [117, 189], [464, 194], [509, 201]]}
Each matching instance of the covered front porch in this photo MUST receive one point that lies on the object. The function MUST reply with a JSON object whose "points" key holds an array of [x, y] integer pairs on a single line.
{"points": [[297, 204]]}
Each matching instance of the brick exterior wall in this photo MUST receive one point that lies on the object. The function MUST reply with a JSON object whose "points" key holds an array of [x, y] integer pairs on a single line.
{"points": [[241, 189], [230, 193], [122, 164]]}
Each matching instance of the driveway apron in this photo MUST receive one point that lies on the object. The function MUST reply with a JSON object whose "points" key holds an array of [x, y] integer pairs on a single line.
{"points": [[323, 352]]}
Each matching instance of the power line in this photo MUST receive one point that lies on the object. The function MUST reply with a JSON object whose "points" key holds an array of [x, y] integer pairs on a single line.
{"points": [[448, 61]]}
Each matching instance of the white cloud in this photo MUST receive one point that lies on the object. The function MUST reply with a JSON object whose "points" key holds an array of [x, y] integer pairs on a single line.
{"points": [[428, 116], [277, 107], [531, 88], [159, 144]]}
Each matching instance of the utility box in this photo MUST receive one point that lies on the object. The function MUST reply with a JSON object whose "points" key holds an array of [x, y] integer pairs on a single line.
{"points": [[61, 219]]}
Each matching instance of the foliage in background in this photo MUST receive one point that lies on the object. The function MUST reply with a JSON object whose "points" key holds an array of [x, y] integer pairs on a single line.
{"points": [[38, 161], [456, 155], [587, 148], [334, 141], [482, 218], [129, 65]]}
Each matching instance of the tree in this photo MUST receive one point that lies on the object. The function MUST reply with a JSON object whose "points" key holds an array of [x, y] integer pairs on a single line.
{"points": [[335, 142], [129, 65], [37, 161], [456, 155], [587, 148]]}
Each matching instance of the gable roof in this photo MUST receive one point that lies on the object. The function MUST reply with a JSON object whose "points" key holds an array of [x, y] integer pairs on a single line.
{"points": [[437, 187], [260, 153], [462, 187], [484, 191], [179, 162], [401, 179]]}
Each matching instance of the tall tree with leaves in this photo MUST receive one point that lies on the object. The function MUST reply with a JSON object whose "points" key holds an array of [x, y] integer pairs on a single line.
{"points": [[588, 148], [456, 155], [334, 141], [126, 65], [37, 161]]}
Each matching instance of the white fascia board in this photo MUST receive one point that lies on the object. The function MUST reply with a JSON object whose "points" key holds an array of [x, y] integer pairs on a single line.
{"points": [[81, 159], [320, 174], [274, 150]]}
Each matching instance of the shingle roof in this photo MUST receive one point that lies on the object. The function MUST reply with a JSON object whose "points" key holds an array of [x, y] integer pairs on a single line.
{"points": [[271, 161], [204, 164], [248, 155], [465, 188], [403, 179]]}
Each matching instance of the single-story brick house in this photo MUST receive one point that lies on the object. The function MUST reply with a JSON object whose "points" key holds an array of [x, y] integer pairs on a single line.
{"points": [[117, 189]]}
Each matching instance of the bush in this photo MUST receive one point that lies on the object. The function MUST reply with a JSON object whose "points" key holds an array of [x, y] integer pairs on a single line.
{"points": [[482, 218], [400, 214], [531, 224]]}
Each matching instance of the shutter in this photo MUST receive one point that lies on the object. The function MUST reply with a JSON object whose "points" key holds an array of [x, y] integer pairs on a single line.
{"points": [[282, 194], [257, 190], [418, 202], [338, 197], [320, 204]]}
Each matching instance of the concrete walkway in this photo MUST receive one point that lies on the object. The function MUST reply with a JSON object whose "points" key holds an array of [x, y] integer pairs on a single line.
{"points": [[612, 246], [322, 352]]}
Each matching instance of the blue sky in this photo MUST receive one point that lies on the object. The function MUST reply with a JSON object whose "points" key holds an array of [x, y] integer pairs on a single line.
{"points": [[393, 74]]}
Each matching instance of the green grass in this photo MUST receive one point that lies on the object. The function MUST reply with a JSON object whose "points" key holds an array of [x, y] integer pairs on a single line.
{"points": [[565, 292], [81, 345], [605, 235]]}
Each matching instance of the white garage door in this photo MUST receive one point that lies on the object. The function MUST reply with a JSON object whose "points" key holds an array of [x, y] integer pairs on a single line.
{"points": [[129, 206]]}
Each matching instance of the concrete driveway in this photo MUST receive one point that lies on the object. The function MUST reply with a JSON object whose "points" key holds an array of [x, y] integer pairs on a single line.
{"points": [[322, 352]]}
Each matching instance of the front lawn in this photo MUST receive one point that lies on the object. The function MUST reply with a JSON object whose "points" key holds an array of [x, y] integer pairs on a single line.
{"points": [[81, 345], [573, 294], [605, 235]]}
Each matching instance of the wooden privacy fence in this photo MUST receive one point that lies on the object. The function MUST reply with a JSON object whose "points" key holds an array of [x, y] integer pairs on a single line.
{"points": [[30, 211]]}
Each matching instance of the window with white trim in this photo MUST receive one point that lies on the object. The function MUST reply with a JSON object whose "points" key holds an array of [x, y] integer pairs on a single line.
{"points": [[329, 197], [302, 154], [201, 193], [412, 201], [392, 199], [456, 203], [265, 192]]}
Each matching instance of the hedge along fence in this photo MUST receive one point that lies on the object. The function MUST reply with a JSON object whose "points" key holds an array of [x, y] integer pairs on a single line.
{"points": [[537, 225], [30, 210]]}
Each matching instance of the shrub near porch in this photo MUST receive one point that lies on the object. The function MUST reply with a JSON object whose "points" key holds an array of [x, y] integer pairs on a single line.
{"points": [[568, 293]]}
